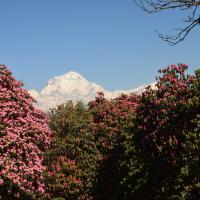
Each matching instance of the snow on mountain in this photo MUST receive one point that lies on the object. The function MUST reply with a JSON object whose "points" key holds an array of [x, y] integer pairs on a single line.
{"points": [[137, 90], [35, 94], [73, 86]]}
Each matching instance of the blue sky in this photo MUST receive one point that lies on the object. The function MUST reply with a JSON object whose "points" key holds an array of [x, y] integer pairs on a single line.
{"points": [[110, 42]]}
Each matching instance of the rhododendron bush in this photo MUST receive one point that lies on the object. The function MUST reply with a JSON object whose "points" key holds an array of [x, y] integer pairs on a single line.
{"points": [[72, 160], [84, 142], [110, 118], [162, 158], [24, 136]]}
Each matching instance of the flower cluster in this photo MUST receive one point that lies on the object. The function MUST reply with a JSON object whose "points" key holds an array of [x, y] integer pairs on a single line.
{"points": [[109, 118], [24, 136], [161, 159]]}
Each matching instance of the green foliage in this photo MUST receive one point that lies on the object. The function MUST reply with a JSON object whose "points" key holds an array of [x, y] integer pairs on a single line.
{"points": [[110, 118], [162, 157], [73, 157]]}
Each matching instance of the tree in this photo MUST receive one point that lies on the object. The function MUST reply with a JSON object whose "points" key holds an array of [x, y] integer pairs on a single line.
{"points": [[24, 137], [72, 159], [110, 118], [192, 20], [162, 156], [86, 145]]}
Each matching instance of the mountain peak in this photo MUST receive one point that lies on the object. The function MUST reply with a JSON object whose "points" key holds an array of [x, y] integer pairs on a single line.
{"points": [[73, 75], [73, 86]]}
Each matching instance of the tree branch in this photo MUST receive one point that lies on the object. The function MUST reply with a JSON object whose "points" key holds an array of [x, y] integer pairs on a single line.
{"points": [[181, 35], [153, 6]]}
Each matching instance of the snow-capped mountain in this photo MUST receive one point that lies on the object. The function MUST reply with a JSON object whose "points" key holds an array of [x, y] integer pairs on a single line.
{"points": [[73, 86]]}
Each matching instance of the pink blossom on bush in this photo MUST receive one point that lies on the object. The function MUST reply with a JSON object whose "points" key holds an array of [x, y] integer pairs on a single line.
{"points": [[24, 136]]}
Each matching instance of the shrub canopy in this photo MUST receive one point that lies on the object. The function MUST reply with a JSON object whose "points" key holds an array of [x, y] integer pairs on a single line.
{"points": [[24, 136]]}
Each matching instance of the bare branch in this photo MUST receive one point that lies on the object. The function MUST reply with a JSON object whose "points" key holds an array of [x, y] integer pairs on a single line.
{"points": [[153, 6], [181, 35]]}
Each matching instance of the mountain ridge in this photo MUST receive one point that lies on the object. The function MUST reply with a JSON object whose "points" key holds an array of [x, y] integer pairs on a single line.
{"points": [[73, 86]]}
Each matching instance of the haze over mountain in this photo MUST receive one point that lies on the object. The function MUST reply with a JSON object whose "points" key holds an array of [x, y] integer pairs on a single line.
{"points": [[73, 86]]}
